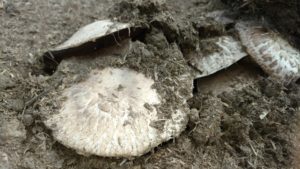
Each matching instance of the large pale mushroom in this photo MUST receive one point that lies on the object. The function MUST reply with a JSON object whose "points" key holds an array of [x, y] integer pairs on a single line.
{"points": [[111, 113], [274, 54], [120, 102]]}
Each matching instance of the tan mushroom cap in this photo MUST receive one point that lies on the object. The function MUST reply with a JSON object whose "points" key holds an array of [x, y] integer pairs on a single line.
{"points": [[111, 114], [225, 52], [274, 54], [92, 32]]}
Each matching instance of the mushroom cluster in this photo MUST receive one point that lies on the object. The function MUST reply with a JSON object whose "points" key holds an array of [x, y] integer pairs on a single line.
{"points": [[121, 99]]}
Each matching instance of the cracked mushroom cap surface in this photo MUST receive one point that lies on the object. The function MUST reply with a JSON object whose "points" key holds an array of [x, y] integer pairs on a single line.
{"points": [[217, 54], [115, 108], [269, 50]]}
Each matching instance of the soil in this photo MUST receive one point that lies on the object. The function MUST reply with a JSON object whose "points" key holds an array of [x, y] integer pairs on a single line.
{"points": [[254, 127]]}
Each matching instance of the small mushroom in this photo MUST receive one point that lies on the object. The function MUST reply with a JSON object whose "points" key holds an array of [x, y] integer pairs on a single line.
{"points": [[269, 50], [89, 38], [217, 54], [92, 32]]}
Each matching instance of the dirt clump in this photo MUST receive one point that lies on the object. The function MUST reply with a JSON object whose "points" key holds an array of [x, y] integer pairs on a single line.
{"points": [[255, 125]]}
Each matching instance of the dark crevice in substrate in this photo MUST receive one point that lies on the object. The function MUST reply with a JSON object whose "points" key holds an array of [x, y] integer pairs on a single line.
{"points": [[298, 81], [195, 89]]}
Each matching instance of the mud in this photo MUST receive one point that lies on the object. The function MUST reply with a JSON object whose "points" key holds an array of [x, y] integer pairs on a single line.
{"points": [[250, 128]]}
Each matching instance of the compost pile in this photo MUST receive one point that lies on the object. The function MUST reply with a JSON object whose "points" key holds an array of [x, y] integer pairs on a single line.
{"points": [[150, 84]]}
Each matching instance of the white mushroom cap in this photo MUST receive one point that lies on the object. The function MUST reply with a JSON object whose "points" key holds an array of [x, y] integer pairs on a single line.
{"points": [[111, 114], [229, 51], [88, 39], [274, 54], [91, 32]]}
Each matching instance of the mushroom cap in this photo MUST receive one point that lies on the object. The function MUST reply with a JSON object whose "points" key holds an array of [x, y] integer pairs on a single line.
{"points": [[114, 108], [111, 114], [269, 50], [88, 39], [91, 32], [221, 16], [222, 52]]}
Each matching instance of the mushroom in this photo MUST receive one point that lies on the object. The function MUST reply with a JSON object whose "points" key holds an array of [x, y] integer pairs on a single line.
{"points": [[269, 50], [91, 37], [92, 32], [118, 108], [111, 113], [217, 54]]}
